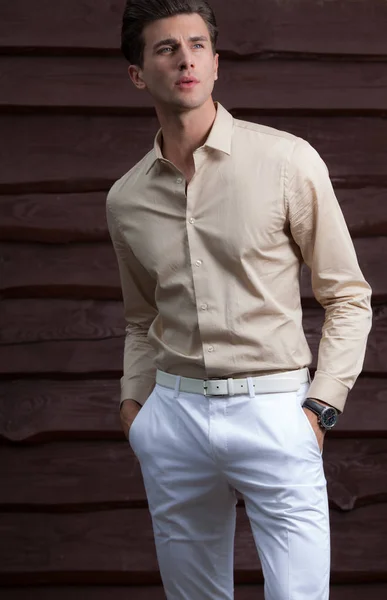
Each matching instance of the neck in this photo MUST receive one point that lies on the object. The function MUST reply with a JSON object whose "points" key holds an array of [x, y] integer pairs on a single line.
{"points": [[184, 132]]}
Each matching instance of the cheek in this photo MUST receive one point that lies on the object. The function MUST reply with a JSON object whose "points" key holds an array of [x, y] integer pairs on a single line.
{"points": [[156, 80]]}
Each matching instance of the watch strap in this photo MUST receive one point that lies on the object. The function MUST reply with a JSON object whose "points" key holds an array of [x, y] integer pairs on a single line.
{"points": [[313, 406], [322, 411]]}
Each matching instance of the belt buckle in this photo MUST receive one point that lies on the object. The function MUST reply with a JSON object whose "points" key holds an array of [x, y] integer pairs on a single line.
{"points": [[215, 387]]}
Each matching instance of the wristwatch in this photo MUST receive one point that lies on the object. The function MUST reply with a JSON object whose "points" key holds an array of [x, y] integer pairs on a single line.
{"points": [[327, 415]]}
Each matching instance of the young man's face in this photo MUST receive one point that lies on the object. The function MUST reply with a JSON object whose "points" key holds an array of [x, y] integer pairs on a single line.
{"points": [[179, 67]]}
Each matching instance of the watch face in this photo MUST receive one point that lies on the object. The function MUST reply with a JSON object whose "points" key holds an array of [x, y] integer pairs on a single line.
{"points": [[328, 417]]}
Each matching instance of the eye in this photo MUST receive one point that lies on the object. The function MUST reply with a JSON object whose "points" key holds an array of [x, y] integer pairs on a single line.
{"points": [[198, 44], [165, 50]]}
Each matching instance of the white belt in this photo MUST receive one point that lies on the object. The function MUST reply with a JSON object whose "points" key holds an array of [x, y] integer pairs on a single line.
{"points": [[288, 381]]}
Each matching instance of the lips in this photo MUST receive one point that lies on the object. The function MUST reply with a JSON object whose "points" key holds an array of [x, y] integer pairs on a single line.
{"points": [[183, 81]]}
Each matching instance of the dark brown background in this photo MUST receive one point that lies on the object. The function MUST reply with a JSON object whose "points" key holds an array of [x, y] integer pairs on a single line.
{"points": [[73, 514]]}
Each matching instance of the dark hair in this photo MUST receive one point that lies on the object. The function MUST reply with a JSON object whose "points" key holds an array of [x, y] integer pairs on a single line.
{"points": [[138, 13]]}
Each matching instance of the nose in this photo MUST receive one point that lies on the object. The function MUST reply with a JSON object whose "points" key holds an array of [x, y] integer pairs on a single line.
{"points": [[186, 59]]}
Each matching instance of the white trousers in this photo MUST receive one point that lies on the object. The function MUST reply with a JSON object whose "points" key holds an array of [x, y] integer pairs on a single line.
{"points": [[194, 452]]}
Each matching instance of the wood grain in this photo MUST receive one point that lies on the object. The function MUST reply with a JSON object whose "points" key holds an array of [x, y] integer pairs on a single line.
{"points": [[90, 270], [102, 83], [371, 591], [106, 475], [242, 592], [75, 153], [48, 410], [347, 27], [117, 547], [64, 218], [52, 343]]}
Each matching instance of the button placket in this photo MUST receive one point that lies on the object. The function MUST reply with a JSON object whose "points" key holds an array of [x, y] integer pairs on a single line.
{"points": [[199, 274]]}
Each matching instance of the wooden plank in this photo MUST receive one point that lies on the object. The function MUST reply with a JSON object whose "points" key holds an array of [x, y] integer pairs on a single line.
{"points": [[117, 547], [46, 410], [99, 346], [90, 270], [76, 270], [64, 218], [99, 475], [81, 82], [371, 591], [74, 153], [43, 320], [105, 592], [346, 27]]}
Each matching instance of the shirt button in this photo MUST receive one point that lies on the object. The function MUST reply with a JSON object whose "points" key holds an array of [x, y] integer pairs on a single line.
{"points": [[198, 263], [192, 220], [204, 306], [179, 180], [210, 348]]}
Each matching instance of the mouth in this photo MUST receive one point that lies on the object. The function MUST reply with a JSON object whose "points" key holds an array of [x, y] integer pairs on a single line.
{"points": [[187, 82]]}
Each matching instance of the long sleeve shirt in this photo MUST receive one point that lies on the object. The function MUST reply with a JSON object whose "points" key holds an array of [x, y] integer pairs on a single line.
{"points": [[210, 271]]}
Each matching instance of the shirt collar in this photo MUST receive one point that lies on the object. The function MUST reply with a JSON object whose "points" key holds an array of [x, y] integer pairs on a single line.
{"points": [[219, 137]]}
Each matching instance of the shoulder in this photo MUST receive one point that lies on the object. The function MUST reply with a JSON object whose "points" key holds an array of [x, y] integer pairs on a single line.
{"points": [[286, 146], [268, 140], [130, 181], [262, 131]]}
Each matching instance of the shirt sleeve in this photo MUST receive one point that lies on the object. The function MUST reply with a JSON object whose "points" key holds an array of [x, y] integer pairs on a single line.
{"points": [[138, 291], [319, 229]]}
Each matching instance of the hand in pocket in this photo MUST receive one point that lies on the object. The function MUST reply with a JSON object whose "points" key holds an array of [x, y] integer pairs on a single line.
{"points": [[129, 411]]}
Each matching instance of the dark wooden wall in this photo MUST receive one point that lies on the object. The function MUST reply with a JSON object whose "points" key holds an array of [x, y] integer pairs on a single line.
{"points": [[73, 515]]}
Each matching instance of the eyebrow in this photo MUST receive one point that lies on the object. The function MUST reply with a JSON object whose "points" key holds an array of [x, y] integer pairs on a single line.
{"points": [[174, 42]]}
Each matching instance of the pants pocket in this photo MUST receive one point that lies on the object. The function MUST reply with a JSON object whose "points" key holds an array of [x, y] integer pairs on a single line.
{"points": [[132, 436], [300, 397]]}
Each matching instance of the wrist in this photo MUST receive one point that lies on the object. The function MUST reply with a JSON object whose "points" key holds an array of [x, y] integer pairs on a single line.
{"points": [[130, 402], [319, 401], [326, 414]]}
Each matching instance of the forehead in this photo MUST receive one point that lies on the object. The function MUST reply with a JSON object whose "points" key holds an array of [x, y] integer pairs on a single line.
{"points": [[179, 26]]}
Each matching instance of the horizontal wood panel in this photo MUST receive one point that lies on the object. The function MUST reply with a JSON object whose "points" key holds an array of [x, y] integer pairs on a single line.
{"points": [[73, 153], [91, 271], [98, 349], [49, 410], [40, 320], [106, 475], [347, 27], [125, 592], [63, 218], [102, 83], [371, 591], [118, 547]]}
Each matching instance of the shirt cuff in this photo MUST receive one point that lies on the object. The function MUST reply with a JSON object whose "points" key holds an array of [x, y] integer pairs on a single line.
{"points": [[329, 390], [138, 389]]}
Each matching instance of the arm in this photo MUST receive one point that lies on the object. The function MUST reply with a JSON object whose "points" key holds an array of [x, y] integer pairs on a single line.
{"points": [[318, 228], [138, 288]]}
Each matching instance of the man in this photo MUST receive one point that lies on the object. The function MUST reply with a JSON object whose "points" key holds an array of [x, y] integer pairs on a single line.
{"points": [[210, 229]]}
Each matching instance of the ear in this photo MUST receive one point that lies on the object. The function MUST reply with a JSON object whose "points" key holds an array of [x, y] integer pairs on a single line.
{"points": [[216, 66], [135, 74]]}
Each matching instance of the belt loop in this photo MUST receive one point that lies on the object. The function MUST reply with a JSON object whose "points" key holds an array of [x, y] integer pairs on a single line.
{"points": [[250, 385], [177, 386], [230, 386], [309, 377]]}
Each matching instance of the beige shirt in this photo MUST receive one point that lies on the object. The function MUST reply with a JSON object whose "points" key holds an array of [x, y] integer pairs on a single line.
{"points": [[210, 276]]}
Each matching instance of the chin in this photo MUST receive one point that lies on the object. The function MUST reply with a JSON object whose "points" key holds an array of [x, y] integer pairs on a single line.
{"points": [[191, 102]]}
